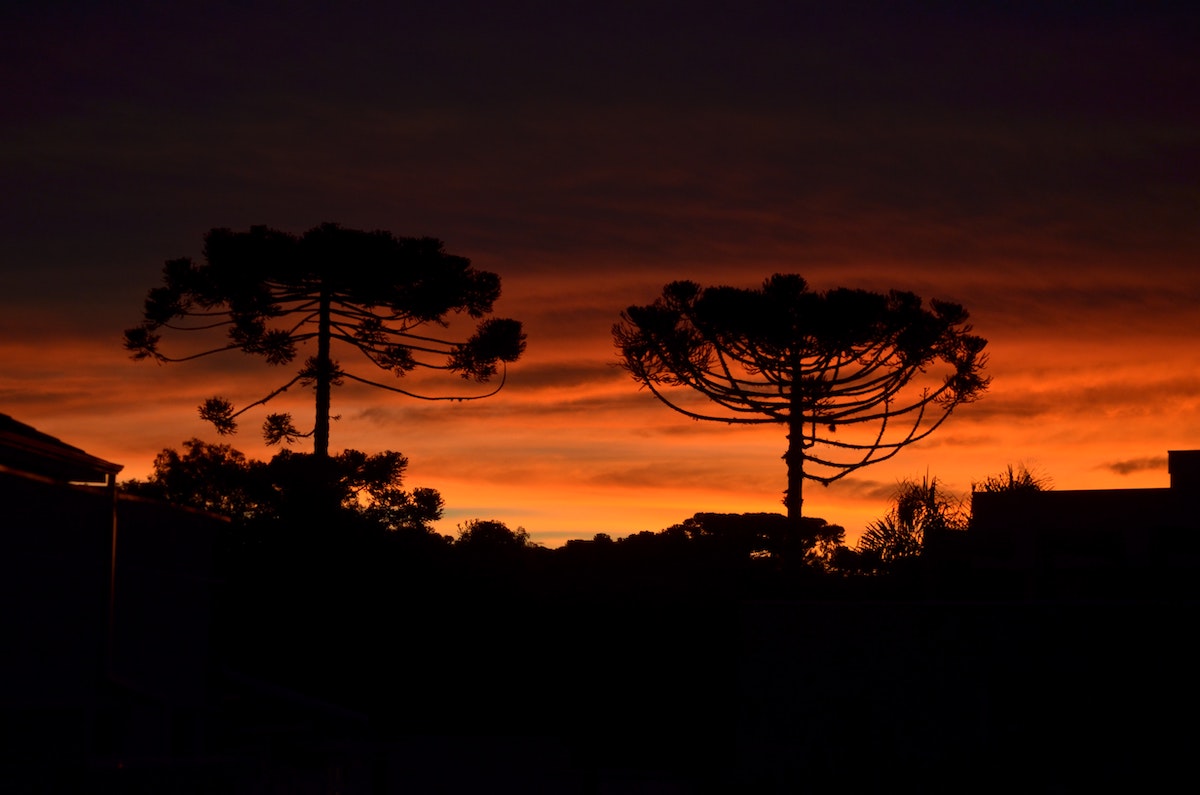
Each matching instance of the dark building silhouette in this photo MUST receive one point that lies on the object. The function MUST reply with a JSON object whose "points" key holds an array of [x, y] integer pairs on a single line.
{"points": [[107, 610], [114, 676], [1102, 535]]}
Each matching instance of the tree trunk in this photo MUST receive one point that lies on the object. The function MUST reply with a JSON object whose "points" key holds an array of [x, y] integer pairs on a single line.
{"points": [[793, 498], [324, 380]]}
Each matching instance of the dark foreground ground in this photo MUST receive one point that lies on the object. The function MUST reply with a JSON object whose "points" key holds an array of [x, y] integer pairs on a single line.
{"points": [[335, 673]]}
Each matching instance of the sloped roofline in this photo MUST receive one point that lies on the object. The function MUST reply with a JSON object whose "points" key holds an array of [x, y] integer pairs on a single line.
{"points": [[24, 449]]}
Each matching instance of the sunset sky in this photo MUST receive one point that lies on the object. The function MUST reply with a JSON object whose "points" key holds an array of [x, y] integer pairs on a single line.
{"points": [[1039, 166]]}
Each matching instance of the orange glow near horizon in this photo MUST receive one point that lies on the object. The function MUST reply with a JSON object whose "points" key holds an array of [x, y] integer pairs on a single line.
{"points": [[1049, 186], [571, 447]]}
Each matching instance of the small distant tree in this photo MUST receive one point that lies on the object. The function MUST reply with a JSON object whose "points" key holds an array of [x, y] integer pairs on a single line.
{"points": [[920, 512], [813, 362], [489, 547], [272, 293], [811, 541], [489, 534]]}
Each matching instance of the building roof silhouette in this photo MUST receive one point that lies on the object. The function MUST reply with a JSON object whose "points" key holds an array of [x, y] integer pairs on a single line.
{"points": [[1056, 532], [26, 450]]}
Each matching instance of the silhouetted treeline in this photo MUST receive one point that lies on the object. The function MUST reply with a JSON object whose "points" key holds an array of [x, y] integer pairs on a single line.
{"points": [[728, 652], [695, 651]]}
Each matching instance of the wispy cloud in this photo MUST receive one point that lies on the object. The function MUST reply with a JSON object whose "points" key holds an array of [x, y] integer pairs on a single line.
{"points": [[1131, 465]]}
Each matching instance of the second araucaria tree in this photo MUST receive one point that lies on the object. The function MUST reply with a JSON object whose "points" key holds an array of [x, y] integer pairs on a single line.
{"points": [[270, 293], [854, 376]]}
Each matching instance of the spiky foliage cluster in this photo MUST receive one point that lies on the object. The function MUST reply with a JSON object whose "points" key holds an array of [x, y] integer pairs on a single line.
{"points": [[1014, 478], [921, 511], [272, 293], [812, 361]]}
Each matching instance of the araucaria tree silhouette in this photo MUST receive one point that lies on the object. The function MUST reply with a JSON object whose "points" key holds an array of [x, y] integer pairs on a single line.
{"points": [[273, 292], [884, 370]]}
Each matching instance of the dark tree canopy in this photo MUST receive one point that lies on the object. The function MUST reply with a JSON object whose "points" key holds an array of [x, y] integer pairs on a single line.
{"points": [[759, 535], [291, 487], [212, 477], [271, 293], [489, 534], [819, 363]]}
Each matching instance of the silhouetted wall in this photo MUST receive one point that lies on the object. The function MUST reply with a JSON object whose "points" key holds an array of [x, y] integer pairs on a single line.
{"points": [[106, 655], [164, 599], [54, 571], [1184, 468]]}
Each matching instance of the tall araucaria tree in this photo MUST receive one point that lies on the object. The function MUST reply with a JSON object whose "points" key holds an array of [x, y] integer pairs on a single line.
{"points": [[814, 362], [372, 293]]}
